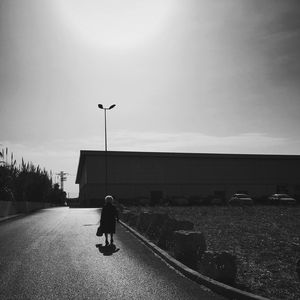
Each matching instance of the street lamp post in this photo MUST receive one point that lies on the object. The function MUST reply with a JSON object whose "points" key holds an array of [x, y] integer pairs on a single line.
{"points": [[105, 132]]}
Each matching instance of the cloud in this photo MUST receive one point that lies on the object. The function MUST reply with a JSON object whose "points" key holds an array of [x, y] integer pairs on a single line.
{"points": [[279, 29], [198, 142]]}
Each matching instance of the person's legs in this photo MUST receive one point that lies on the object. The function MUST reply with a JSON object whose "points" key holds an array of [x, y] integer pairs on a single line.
{"points": [[111, 238], [106, 239]]}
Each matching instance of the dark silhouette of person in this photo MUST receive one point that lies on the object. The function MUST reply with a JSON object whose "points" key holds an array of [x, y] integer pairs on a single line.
{"points": [[109, 216]]}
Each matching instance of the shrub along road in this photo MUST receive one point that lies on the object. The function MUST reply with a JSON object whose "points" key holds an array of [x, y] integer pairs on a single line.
{"points": [[52, 254]]}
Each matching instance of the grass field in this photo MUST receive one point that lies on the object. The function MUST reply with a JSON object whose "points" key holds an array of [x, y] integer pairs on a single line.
{"points": [[265, 239]]}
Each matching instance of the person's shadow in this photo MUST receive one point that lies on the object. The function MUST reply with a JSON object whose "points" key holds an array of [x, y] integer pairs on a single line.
{"points": [[107, 250]]}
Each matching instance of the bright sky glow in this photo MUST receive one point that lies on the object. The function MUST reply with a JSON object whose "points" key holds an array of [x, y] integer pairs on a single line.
{"points": [[186, 76], [116, 24]]}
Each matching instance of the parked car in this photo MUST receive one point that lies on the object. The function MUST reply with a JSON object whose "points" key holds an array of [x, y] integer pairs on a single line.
{"points": [[240, 199], [281, 199]]}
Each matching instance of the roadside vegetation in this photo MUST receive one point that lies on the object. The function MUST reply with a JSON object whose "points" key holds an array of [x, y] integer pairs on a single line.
{"points": [[26, 182], [264, 238]]}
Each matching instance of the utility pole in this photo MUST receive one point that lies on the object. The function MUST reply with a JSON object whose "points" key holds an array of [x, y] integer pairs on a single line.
{"points": [[63, 178]]}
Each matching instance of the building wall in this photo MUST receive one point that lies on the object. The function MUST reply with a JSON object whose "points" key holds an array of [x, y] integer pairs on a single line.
{"points": [[138, 174]]}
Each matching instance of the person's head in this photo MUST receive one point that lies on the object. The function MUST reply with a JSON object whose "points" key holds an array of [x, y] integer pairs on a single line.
{"points": [[109, 199]]}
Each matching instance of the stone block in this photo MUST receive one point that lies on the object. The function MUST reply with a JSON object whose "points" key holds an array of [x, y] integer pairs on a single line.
{"points": [[124, 215], [133, 219], [144, 221], [188, 246], [165, 239], [157, 221], [219, 266]]}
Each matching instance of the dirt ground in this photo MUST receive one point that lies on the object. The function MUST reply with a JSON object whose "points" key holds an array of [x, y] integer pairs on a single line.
{"points": [[265, 239]]}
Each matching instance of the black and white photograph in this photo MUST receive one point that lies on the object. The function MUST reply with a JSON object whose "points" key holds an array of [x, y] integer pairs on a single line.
{"points": [[150, 149]]}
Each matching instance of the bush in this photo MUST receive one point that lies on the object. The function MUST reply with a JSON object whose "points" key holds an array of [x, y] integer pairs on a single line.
{"points": [[27, 182], [180, 201], [144, 201], [196, 200]]}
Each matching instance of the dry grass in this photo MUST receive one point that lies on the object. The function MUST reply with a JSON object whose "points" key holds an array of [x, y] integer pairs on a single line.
{"points": [[265, 239]]}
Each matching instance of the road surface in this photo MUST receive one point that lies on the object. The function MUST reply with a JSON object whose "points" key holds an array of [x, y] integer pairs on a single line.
{"points": [[55, 254]]}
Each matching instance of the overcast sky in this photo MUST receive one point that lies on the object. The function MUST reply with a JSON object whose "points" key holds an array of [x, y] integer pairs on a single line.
{"points": [[186, 76]]}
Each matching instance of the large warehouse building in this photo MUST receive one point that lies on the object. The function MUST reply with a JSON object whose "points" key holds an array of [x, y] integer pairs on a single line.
{"points": [[157, 175]]}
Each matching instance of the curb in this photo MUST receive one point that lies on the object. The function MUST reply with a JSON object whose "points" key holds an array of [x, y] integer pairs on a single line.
{"points": [[10, 217], [216, 286]]}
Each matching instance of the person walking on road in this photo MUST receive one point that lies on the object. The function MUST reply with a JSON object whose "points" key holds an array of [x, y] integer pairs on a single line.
{"points": [[109, 216]]}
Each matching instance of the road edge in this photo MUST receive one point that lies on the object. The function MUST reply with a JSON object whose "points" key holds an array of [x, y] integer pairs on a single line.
{"points": [[11, 217], [215, 286]]}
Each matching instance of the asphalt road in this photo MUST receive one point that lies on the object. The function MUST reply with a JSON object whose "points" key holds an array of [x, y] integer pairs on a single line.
{"points": [[55, 254]]}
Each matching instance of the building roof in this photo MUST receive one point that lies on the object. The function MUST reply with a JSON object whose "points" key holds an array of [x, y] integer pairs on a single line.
{"points": [[85, 153]]}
